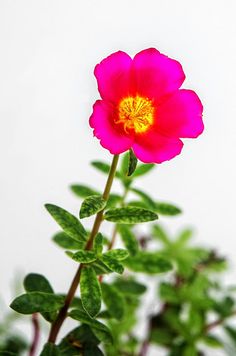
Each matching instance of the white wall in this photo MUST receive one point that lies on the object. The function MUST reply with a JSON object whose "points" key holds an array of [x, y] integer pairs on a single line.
{"points": [[48, 52]]}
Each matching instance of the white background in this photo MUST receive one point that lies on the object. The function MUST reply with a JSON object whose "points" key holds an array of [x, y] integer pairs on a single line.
{"points": [[47, 88]]}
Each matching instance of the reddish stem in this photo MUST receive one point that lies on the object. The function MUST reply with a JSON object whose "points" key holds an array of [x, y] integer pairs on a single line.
{"points": [[218, 322], [36, 333]]}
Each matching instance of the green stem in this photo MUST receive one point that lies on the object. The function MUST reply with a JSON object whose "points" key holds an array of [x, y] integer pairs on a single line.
{"points": [[56, 325]]}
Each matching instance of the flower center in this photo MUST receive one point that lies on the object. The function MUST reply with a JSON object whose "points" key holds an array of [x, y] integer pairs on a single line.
{"points": [[136, 114]]}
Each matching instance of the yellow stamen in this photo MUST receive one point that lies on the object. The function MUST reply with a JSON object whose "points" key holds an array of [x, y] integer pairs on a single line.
{"points": [[136, 114]]}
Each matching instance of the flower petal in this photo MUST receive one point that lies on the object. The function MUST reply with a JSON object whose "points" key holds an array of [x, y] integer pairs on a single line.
{"points": [[155, 148], [181, 115], [111, 138], [155, 74], [113, 76]]}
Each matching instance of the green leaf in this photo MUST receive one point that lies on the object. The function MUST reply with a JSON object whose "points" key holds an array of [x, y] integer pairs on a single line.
{"points": [[83, 191], [82, 256], [113, 200], [143, 169], [190, 350], [50, 350], [150, 204], [76, 338], [132, 163], [34, 282], [11, 343], [101, 166], [225, 307], [37, 283], [159, 233], [118, 254], [114, 301], [183, 238], [90, 291], [100, 267], [91, 205], [112, 263], [124, 165], [65, 241], [167, 209], [68, 222], [129, 286], [212, 341], [137, 203], [129, 239], [37, 302], [92, 350], [231, 332], [148, 262], [195, 321], [168, 293], [161, 336], [93, 323], [130, 215], [98, 244]]}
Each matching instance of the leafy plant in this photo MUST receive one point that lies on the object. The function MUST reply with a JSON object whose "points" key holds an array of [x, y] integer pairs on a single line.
{"points": [[189, 292]]}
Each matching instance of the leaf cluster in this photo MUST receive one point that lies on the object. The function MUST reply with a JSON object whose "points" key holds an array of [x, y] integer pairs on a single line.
{"points": [[106, 309]]}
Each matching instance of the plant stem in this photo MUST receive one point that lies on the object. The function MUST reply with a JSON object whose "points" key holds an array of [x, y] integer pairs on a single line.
{"points": [[218, 322], [36, 330], [144, 348], [113, 238], [56, 325]]}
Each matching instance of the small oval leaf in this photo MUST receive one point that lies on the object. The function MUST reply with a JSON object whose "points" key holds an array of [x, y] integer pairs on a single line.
{"points": [[91, 205], [148, 262], [37, 302], [129, 239], [98, 243], [34, 282], [82, 256], [65, 241], [112, 263], [130, 215], [132, 163], [114, 301], [68, 222], [147, 200], [143, 169], [83, 191], [167, 209], [118, 254], [101, 166], [93, 323], [90, 291]]}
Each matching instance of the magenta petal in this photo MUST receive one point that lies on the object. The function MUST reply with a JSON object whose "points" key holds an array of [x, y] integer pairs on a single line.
{"points": [[106, 131], [181, 115], [155, 148], [113, 76], [155, 74]]}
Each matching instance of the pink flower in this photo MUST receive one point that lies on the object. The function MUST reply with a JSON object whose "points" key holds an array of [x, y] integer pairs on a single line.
{"points": [[143, 107]]}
